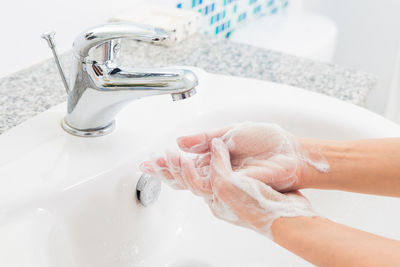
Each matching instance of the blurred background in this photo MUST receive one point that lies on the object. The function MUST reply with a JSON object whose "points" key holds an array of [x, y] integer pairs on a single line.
{"points": [[364, 34]]}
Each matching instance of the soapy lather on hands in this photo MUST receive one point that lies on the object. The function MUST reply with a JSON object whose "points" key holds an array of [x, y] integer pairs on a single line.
{"points": [[238, 170]]}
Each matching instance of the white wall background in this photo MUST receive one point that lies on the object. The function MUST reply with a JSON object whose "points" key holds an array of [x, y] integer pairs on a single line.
{"points": [[368, 38], [23, 21]]}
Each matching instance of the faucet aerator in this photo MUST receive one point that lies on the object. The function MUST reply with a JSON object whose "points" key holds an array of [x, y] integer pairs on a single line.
{"points": [[183, 95]]}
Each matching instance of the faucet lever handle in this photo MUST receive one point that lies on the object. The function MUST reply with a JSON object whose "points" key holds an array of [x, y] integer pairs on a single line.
{"points": [[97, 36]]}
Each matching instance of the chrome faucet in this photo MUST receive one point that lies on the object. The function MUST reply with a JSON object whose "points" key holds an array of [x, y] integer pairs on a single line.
{"points": [[100, 87]]}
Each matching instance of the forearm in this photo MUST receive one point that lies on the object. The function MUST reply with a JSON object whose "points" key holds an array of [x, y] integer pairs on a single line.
{"points": [[364, 166], [325, 243]]}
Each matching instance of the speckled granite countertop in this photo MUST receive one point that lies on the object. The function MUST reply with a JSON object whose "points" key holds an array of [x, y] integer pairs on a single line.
{"points": [[36, 89]]}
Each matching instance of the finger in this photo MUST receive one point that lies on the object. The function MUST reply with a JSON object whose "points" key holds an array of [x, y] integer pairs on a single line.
{"points": [[174, 163], [221, 172], [202, 163], [202, 160], [146, 167], [173, 160], [198, 185], [159, 164], [232, 203], [268, 192], [160, 170], [200, 143], [184, 171], [220, 166]]}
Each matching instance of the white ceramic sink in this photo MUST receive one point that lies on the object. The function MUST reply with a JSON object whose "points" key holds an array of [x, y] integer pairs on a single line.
{"points": [[70, 201]]}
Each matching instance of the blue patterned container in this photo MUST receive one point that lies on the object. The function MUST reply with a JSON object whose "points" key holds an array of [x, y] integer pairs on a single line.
{"points": [[222, 16]]}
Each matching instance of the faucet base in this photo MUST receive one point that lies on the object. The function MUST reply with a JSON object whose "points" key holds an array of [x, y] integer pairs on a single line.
{"points": [[88, 132]]}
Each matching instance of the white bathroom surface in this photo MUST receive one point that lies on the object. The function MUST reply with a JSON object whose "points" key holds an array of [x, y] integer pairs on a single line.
{"points": [[303, 34], [71, 201]]}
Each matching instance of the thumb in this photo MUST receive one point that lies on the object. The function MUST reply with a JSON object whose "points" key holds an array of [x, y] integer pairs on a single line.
{"points": [[220, 165]]}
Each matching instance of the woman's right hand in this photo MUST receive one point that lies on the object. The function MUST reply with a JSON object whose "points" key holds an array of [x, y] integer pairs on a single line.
{"points": [[262, 151]]}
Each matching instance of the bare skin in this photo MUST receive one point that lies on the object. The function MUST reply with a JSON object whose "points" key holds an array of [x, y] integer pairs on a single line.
{"points": [[326, 243], [363, 166]]}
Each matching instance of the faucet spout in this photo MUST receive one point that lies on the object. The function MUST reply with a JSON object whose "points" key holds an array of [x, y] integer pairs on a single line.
{"points": [[147, 82]]}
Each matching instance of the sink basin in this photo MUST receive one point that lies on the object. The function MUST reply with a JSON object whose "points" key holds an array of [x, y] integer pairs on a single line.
{"points": [[71, 201]]}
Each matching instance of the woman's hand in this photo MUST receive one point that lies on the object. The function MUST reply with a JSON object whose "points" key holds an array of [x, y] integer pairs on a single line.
{"points": [[232, 196], [245, 201], [262, 151]]}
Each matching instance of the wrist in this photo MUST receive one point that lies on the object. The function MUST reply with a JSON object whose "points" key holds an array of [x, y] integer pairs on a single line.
{"points": [[308, 175], [326, 152], [295, 227]]}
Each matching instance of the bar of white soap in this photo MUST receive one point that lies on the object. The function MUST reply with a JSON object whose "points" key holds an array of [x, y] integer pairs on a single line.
{"points": [[178, 23]]}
